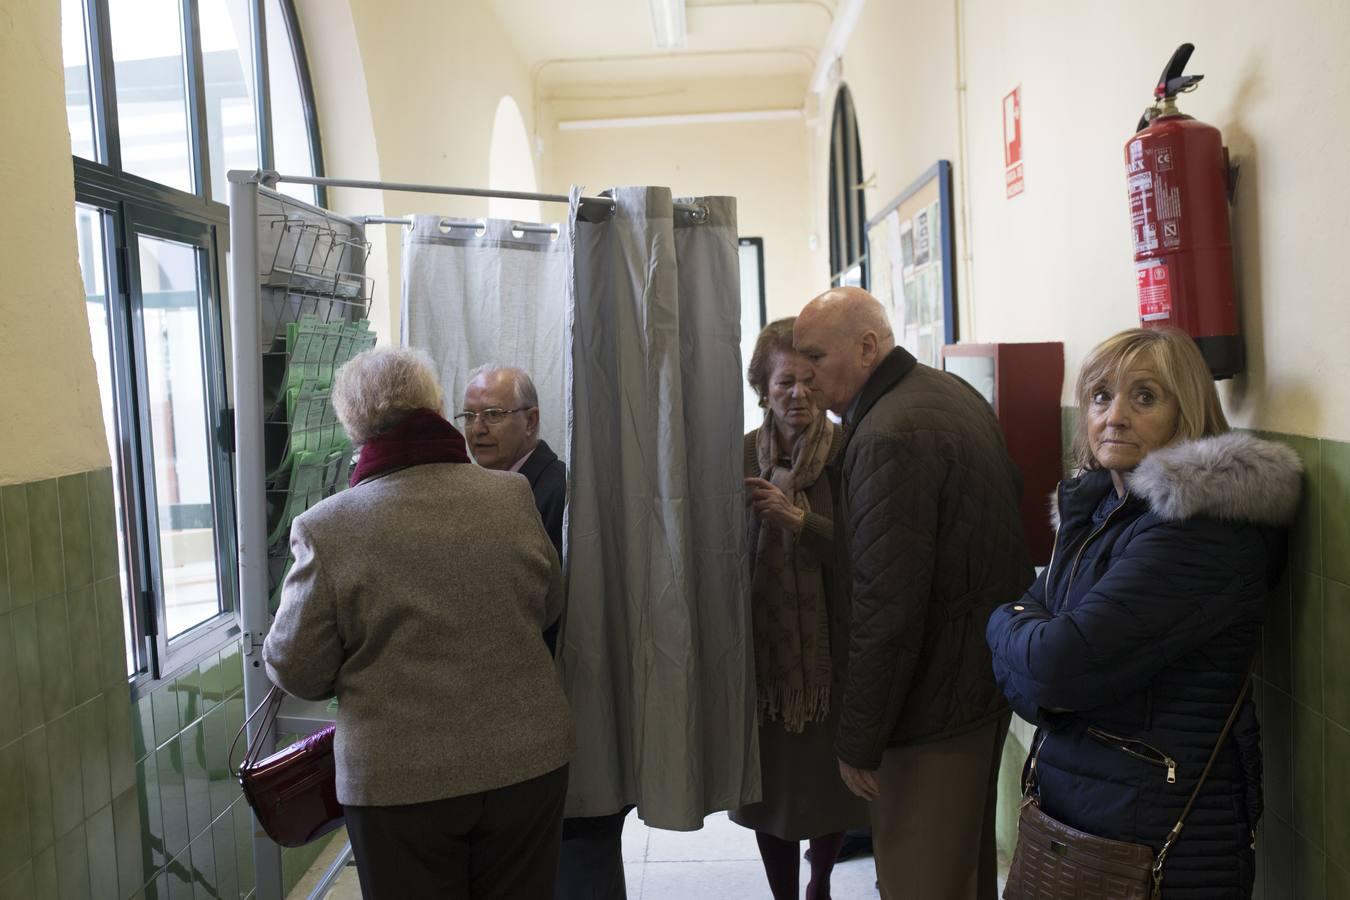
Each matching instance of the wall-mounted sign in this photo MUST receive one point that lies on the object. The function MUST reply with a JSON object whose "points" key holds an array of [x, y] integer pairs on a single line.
{"points": [[1012, 142]]}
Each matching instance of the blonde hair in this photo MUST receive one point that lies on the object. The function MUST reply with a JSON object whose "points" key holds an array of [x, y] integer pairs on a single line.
{"points": [[376, 389], [1181, 369]]}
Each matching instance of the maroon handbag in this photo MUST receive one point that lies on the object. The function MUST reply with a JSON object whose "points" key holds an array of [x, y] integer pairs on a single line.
{"points": [[293, 792]]}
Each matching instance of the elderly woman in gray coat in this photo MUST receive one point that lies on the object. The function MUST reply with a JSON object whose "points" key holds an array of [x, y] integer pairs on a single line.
{"points": [[418, 597]]}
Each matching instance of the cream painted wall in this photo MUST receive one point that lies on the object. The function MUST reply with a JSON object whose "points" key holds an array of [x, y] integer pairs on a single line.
{"points": [[900, 67], [434, 74], [762, 164], [1293, 208], [1055, 262], [347, 132], [49, 402]]}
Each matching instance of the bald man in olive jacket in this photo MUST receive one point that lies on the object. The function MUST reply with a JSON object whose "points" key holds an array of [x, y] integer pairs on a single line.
{"points": [[929, 507]]}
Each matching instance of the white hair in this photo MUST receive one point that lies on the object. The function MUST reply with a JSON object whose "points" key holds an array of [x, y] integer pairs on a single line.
{"points": [[376, 389], [521, 383]]}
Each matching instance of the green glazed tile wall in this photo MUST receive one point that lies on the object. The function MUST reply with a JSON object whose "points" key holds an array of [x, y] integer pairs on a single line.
{"points": [[195, 830], [196, 839], [67, 776], [100, 797], [1302, 691]]}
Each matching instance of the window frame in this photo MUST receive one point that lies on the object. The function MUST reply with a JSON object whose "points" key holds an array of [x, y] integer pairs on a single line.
{"points": [[130, 205], [291, 21], [129, 209], [847, 201], [138, 220], [103, 89]]}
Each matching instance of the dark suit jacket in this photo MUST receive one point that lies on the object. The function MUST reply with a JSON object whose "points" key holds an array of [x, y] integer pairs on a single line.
{"points": [[548, 479]]}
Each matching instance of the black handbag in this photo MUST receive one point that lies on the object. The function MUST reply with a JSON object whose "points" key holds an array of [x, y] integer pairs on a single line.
{"points": [[1054, 860]]}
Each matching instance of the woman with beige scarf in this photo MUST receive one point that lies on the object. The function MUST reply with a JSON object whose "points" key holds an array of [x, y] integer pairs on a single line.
{"points": [[796, 621]]}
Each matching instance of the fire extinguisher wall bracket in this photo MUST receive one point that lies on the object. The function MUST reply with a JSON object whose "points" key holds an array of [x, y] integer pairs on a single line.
{"points": [[1234, 173], [1181, 183]]}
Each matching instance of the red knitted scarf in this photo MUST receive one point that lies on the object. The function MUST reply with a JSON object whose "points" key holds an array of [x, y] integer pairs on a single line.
{"points": [[423, 437]]}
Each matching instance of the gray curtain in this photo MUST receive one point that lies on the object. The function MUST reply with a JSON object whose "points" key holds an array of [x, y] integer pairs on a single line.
{"points": [[489, 293], [655, 649]]}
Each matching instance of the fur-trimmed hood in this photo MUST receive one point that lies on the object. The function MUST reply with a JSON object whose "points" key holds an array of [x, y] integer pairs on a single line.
{"points": [[1232, 476]]}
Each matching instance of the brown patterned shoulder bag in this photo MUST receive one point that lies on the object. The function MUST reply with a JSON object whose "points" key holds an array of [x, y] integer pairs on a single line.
{"points": [[1054, 860]]}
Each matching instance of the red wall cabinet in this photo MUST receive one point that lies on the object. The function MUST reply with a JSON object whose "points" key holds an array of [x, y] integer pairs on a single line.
{"points": [[1023, 382]]}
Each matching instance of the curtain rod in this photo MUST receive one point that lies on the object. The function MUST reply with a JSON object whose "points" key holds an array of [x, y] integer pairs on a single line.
{"points": [[451, 223], [270, 179]]}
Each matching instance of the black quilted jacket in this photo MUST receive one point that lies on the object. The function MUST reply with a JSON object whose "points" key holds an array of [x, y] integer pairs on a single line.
{"points": [[928, 499]]}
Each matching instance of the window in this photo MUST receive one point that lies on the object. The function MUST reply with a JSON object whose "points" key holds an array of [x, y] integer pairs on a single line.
{"points": [[231, 94], [155, 306], [753, 317], [848, 213], [91, 241], [149, 73], [79, 100], [180, 433], [296, 152], [163, 98]]}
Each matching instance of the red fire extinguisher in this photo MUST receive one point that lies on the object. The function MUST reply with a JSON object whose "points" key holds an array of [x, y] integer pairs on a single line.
{"points": [[1180, 187]]}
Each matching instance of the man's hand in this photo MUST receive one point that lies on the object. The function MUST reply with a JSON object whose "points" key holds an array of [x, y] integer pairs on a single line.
{"points": [[862, 782], [772, 506]]}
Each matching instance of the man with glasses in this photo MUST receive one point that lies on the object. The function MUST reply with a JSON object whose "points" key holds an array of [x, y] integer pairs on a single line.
{"points": [[500, 419]]}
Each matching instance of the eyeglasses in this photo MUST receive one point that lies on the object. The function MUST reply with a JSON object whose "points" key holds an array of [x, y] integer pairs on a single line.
{"points": [[490, 417]]}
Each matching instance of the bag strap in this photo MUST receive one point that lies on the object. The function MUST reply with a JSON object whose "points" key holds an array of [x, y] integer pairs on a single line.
{"points": [[1029, 782], [1195, 794], [271, 703]]}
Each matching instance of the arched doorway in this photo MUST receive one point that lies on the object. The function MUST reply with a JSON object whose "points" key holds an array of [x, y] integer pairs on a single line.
{"points": [[511, 164]]}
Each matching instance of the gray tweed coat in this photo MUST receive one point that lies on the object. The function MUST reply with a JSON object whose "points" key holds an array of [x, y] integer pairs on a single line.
{"points": [[418, 598]]}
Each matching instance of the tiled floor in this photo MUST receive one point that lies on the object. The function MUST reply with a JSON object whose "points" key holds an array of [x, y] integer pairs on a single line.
{"points": [[720, 862]]}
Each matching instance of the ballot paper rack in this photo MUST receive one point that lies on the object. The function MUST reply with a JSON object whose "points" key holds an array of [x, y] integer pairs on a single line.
{"points": [[300, 307], [300, 297], [316, 300]]}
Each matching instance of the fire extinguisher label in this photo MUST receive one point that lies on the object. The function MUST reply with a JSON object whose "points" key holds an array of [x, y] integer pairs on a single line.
{"points": [[1155, 290], [1155, 202], [1141, 212]]}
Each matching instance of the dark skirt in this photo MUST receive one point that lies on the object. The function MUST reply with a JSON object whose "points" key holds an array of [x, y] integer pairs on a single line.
{"points": [[804, 797]]}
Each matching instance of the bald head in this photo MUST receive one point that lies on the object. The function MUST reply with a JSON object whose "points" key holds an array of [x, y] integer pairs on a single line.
{"points": [[852, 313], [845, 335]]}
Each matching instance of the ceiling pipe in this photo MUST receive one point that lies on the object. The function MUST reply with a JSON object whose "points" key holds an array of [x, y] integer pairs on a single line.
{"points": [[841, 29], [668, 24], [707, 118]]}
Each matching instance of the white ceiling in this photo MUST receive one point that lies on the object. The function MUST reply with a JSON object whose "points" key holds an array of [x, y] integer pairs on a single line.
{"points": [[598, 56]]}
